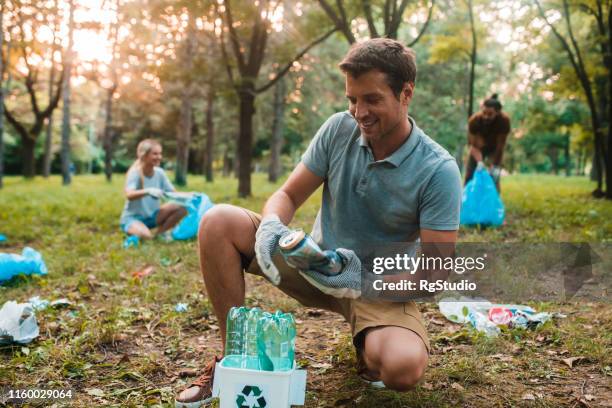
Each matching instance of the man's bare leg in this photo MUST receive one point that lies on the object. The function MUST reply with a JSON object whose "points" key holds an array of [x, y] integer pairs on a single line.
{"points": [[225, 233], [395, 355]]}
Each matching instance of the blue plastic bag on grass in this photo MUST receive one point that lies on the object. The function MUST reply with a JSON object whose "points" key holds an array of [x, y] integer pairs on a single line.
{"points": [[196, 207], [481, 203], [29, 262]]}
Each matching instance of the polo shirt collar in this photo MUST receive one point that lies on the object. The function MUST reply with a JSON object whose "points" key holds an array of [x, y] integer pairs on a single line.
{"points": [[401, 154]]}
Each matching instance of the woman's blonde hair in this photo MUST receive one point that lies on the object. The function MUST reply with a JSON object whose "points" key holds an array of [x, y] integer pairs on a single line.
{"points": [[144, 147]]}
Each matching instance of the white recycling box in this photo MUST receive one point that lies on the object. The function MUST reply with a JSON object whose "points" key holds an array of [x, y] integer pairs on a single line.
{"points": [[244, 388]]}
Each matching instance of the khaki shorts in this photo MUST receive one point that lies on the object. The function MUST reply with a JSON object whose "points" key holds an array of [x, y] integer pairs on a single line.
{"points": [[360, 314]]}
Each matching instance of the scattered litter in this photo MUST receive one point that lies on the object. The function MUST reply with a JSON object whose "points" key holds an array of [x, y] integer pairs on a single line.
{"points": [[132, 241], [60, 303], [41, 304], [2, 238], [37, 303], [485, 316], [181, 307], [17, 323], [165, 261], [29, 262], [146, 271]]}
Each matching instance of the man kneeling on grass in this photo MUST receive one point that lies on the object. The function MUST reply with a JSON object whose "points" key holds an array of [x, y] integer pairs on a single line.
{"points": [[384, 181]]}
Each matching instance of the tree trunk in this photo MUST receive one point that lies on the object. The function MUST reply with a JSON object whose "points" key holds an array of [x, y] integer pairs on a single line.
{"points": [[227, 163], [277, 131], [186, 116], [65, 153], [566, 150], [609, 161], [210, 136], [1, 97], [46, 170], [108, 136], [473, 55], [183, 140], [49, 135], [245, 140], [28, 145]]}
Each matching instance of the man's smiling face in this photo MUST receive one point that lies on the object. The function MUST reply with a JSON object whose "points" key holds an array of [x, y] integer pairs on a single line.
{"points": [[374, 105]]}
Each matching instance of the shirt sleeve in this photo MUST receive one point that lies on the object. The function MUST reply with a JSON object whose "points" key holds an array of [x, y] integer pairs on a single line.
{"points": [[132, 180], [441, 203], [166, 185], [317, 156]]}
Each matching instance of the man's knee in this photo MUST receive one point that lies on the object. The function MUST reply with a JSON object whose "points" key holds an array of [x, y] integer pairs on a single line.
{"points": [[398, 355], [216, 222], [402, 371]]}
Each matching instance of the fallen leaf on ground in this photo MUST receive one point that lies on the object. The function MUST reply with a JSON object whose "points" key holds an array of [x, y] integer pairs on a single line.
{"points": [[570, 361], [427, 386], [188, 372], [457, 386], [94, 392], [438, 322]]}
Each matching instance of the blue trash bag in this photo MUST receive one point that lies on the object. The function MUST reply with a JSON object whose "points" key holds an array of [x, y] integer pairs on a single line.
{"points": [[481, 203], [196, 207], [29, 262]]}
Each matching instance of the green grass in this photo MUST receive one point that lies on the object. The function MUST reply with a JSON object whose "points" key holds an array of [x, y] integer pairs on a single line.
{"points": [[123, 337]]}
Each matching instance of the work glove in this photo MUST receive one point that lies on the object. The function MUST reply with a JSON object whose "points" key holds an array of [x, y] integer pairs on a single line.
{"points": [[154, 192], [346, 284], [495, 172], [266, 244]]}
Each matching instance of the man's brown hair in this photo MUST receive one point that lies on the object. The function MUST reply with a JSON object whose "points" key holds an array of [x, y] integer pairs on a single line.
{"points": [[388, 56]]}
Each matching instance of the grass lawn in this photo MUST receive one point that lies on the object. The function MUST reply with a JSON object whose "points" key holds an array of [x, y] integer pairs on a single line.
{"points": [[123, 344]]}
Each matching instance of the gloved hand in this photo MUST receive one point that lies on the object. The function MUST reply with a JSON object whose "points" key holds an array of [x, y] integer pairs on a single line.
{"points": [[154, 192], [495, 171], [266, 243], [346, 284]]}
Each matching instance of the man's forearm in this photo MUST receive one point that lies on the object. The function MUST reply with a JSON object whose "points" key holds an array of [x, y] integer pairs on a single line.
{"points": [[281, 204]]}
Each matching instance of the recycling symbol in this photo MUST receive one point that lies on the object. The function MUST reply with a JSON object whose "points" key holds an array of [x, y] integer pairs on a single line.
{"points": [[250, 397]]}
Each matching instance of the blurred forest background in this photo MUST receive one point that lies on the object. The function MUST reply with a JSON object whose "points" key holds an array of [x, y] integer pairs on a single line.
{"points": [[236, 87]]}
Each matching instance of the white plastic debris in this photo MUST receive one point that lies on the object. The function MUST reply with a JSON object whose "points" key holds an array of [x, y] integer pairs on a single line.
{"points": [[481, 314], [17, 323]]}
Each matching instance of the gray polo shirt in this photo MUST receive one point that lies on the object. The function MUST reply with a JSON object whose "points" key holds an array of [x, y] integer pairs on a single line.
{"points": [[389, 200]]}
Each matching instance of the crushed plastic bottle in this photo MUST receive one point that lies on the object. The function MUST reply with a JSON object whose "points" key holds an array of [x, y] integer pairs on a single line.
{"points": [[481, 323]]}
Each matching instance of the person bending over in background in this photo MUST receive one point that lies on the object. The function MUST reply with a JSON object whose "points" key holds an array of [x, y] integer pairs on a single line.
{"points": [[145, 185], [487, 134]]}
